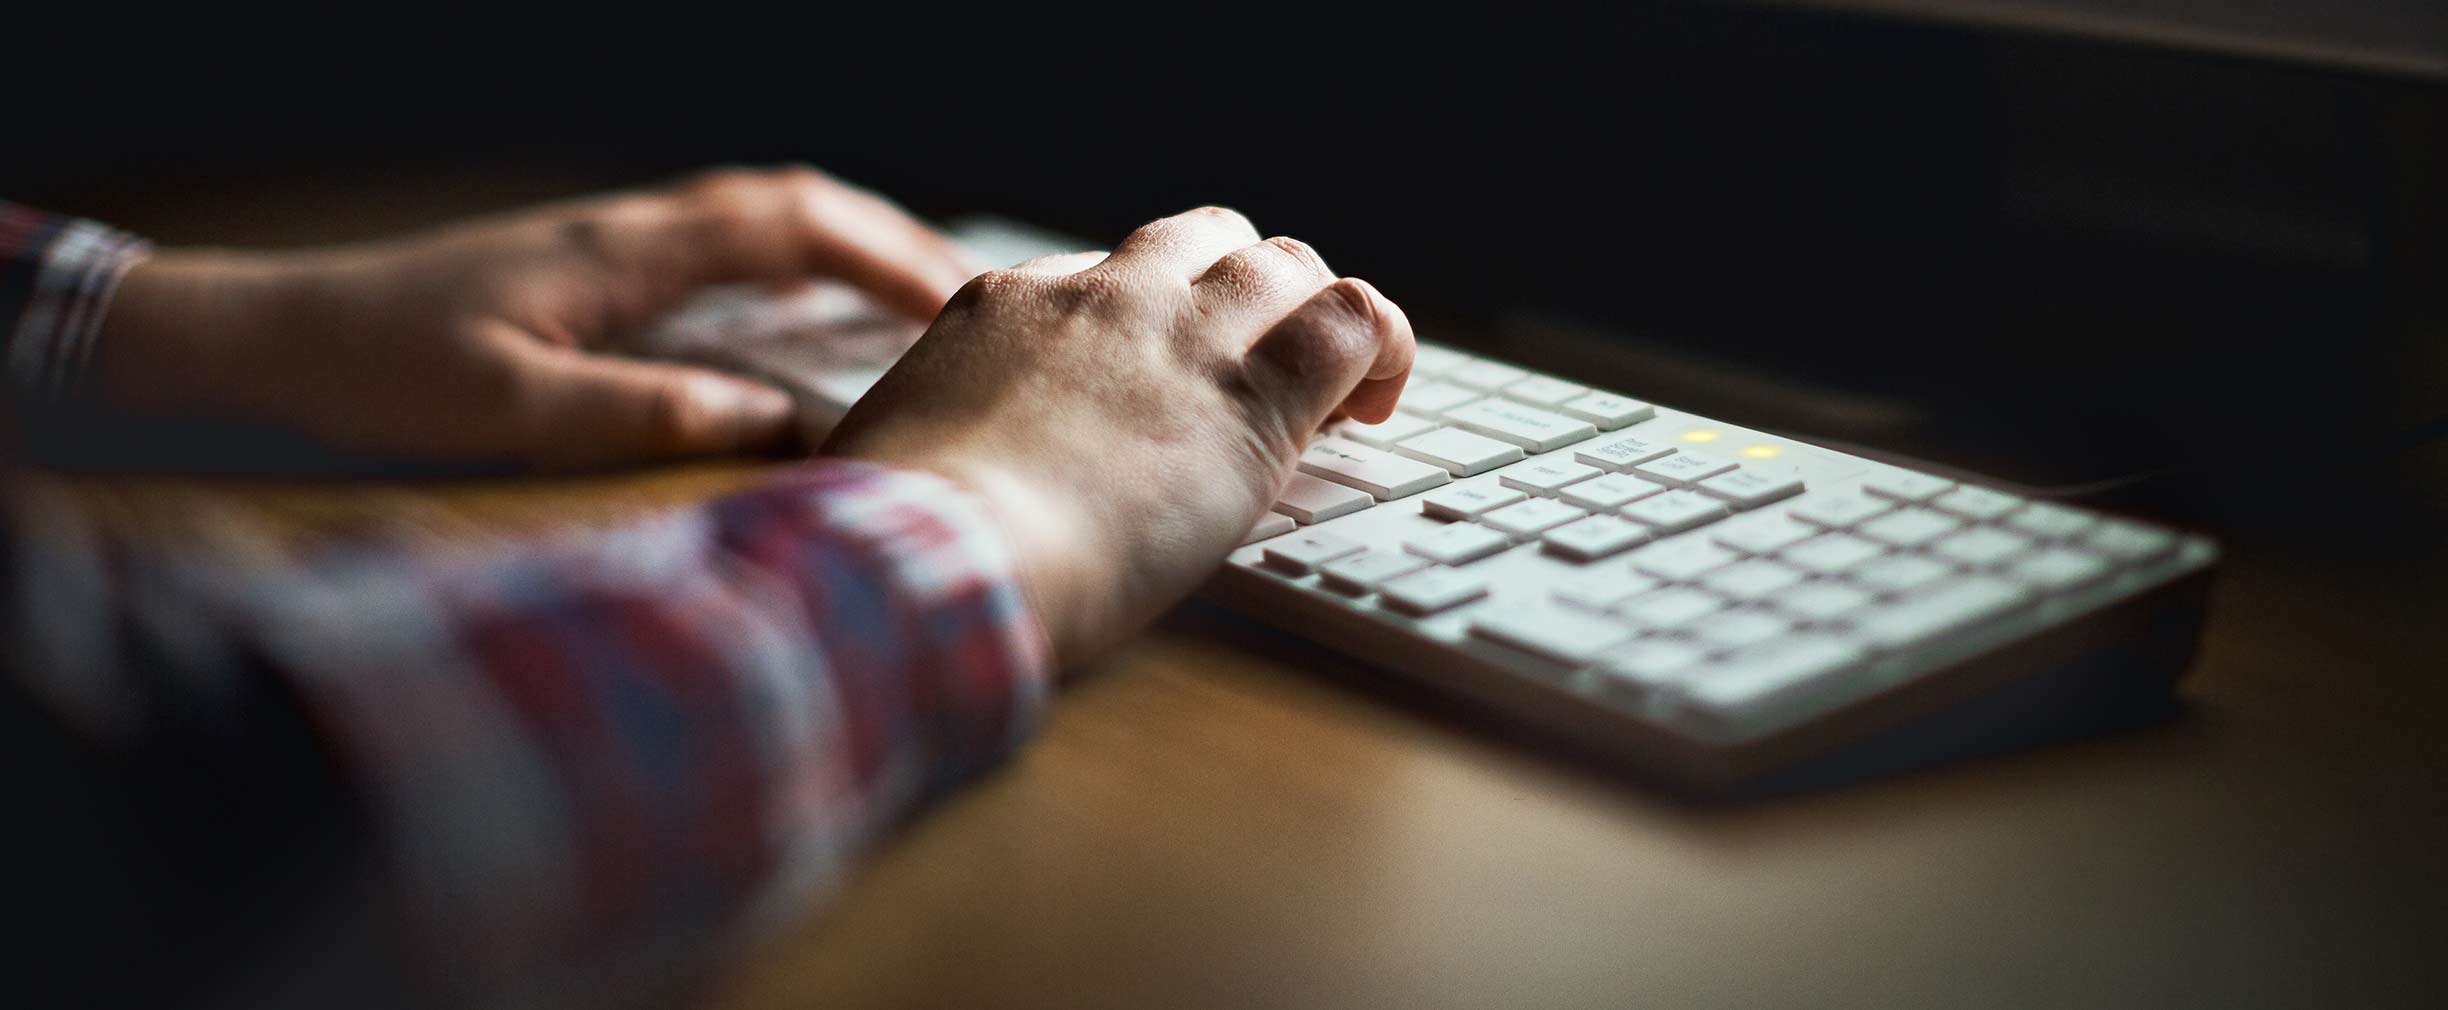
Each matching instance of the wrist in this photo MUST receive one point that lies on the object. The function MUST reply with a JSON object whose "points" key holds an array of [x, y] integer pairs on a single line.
{"points": [[176, 338]]}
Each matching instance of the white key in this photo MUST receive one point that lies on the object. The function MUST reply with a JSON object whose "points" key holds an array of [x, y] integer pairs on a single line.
{"points": [[1360, 573], [1947, 605], [1304, 551], [1908, 527], [1908, 487], [1830, 553], [1433, 399], [1669, 607], [1980, 547], [1530, 518], [1382, 474], [1752, 487], [1761, 533], [1467, 501], [1593, 538], [1978, 504], [1529, 427], [1763, 675], [1751, 580], [1272, 524], [2056, 570], [1899, 573], [1483, 374], [1541, 391], [2050, 522], [1676, 511], [1733, 629], [1459, 452], [1647, 663], [1429, 360], [1683, 468], [1384, 434], [1432, 589], [2128, 542], [1607, 411], [1566, 636], [1311, 500], [1820, 601], [1623, 453], [1604, 586], [1837, 510], [1613, 490], [1682, 559], [1545, 477], [1456, 544]]}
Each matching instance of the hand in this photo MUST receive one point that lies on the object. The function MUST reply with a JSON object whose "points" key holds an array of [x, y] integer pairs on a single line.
{"points": [[1127, 418], [470, 343]]}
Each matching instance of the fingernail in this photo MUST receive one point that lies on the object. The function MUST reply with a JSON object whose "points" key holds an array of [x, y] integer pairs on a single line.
{"points": [[751, 414]]}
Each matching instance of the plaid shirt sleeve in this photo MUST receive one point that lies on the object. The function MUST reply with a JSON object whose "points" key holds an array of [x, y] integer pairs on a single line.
{"points": [[581, 769], [56, 276]]}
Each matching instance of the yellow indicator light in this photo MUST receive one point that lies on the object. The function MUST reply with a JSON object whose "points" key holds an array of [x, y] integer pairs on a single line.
{"points": [[1761, 451], [1700, 435]]}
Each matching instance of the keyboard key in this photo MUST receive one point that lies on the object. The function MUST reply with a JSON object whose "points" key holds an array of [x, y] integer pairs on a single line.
{"points": [[1683, 468], [2056, 570], [1648, 663], [1676, 511], [1530, 518], [1566, 636], [1311, 500], [1541, 391], [1459, 452], [1981, 547], [1459, 543], [1899, 573], [1978, 504], [1529, 427], [1772, 671], [1360, 573], [1272, 524], [1384, 435], [1761, 533], [1747, 581], [1908, 487], [2050, 522], [1669, 607], [1752, 487], [1623, 453], [1467, 501], [1593, 538], [1611, 491], [1831, 553], [1433, 399], [1428, 360], [1821, 601], [1682, 559], [1607, 411], [1545, 477], [1302, 552], [1484, 375], [1837, 509], [1909, 527], [1942, 607], [1604, 586], [1430, 590], [1383, 474], [2128, 542], [1733, 629]]}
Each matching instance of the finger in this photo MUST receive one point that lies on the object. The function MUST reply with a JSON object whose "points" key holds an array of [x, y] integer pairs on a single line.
{"points": [[581, 410], [1310, 365], [1059, 264], [1261, 281], [1183, 245]]}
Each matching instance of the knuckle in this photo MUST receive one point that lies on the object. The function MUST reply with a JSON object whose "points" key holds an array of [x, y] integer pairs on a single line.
{"points": [[672, 414], [1301, 254], [985, 290]]}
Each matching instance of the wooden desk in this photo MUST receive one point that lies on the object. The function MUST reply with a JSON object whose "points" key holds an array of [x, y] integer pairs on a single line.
{"points": [[1216, 819]]}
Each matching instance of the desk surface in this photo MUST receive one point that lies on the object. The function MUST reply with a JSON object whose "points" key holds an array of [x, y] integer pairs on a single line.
{"points": [[1216, 818]]}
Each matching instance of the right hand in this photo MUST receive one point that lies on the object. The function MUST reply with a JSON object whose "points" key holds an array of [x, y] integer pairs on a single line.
{"points": [[1127, 418]]}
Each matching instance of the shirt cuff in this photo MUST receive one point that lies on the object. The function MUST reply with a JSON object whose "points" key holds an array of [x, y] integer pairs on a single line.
{"points": [[65, 270]]}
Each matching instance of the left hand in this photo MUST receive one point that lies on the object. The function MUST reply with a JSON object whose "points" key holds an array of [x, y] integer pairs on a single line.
{"points": [[471, 343]]}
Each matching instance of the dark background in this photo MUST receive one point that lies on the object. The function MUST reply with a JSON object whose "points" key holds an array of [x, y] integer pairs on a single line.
{"points": [[2057, 256]]}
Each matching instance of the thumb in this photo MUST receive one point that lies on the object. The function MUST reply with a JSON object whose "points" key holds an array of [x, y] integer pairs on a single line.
{"points": [[1345, 350], [586, 411]]}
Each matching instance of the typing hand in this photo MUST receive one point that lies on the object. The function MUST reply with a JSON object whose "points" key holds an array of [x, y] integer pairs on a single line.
{"points": [[471, 342], [1126, 418]]}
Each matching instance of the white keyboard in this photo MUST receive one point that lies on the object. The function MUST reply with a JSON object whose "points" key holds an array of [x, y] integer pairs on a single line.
{"points": [[1716, 603]]}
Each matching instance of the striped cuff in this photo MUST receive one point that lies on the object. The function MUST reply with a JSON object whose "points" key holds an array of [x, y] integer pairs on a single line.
{"points": [[52, 347]]}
